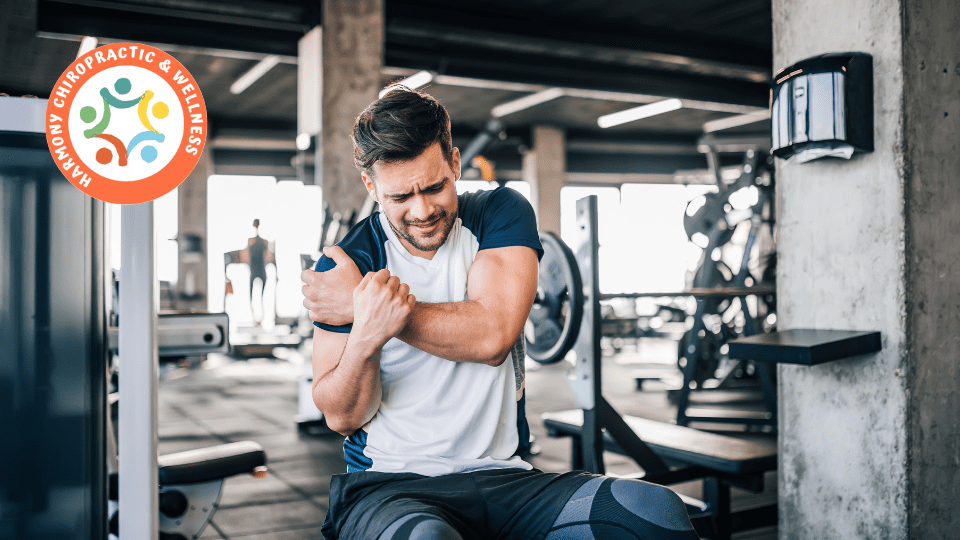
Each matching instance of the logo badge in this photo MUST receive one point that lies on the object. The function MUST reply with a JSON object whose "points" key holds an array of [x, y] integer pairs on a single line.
{"points": [[126, 123]]}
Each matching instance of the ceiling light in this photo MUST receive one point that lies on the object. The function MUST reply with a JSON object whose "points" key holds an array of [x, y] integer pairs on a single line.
{"points": [[87, 44], [639, 113], [303, 142], [413, 82], [736, 121], [526, 102], [254, 74]]}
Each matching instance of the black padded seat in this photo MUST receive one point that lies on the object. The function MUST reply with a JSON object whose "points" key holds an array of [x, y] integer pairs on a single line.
{"points": [[679, 444], [212, 463]]}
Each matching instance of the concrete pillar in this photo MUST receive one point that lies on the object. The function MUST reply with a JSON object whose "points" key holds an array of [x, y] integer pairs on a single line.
{"points": [[544, 168], [932, 192], [870, 446], [192, 236], [349, 51]]}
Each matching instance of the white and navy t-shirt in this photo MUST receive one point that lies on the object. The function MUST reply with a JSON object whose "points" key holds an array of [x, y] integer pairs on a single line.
{"points": [[437, 416]]}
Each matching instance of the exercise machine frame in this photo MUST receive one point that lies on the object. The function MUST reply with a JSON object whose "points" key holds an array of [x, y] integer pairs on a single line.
{"points": [[692, 352], [669, 461]]}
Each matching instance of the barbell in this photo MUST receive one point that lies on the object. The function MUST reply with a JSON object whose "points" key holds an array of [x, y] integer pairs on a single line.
{"points": [[554, 321], [553, 325]]}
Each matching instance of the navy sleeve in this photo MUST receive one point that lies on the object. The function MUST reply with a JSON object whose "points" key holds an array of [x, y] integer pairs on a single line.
{"points": [[364, 244], [505, 219]]}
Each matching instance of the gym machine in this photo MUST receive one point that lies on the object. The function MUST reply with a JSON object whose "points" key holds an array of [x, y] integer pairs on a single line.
{"points": [[63, 476], [701, 347], [722, 311], [53, 329], [667, 454], [554, 320], [191, 482]]}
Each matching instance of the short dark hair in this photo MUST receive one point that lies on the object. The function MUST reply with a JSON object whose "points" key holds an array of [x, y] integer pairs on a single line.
{"points": [[399, 127]]}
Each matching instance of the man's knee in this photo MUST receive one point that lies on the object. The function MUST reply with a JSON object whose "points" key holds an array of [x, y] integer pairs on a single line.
{"points": [[620, 508], [421, 526], [656, 504]]}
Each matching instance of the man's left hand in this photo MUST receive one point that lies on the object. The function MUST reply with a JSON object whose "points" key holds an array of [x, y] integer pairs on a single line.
{"points": [[329, 295]]}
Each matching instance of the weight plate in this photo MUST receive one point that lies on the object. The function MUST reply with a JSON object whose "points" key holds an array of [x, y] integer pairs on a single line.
{"points": [[721, 277], [708, 359], [702, 215], [554, 321]]}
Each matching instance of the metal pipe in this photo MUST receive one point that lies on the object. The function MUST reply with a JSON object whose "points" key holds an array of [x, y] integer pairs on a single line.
{"points": [[139, 296], [480, 142]]}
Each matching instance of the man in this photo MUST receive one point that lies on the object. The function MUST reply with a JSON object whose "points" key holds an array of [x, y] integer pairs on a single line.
{"points": [[258, 255], [418, 358]]}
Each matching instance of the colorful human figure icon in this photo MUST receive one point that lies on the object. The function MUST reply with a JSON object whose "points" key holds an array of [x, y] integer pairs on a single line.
{"points": [[160, 111], [105, 158], [148, 153], [122, 86], [89, 114]]}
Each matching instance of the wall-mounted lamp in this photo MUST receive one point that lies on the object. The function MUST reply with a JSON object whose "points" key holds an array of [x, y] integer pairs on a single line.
{"points": [[823, 107]]}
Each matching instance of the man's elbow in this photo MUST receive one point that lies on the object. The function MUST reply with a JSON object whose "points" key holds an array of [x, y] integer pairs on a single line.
{"points": [[496, 353], [339, 425], [338, 422]]}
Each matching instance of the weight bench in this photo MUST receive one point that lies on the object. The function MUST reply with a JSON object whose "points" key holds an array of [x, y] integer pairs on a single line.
{"points": [[211, 463], [667, 453], [721, 461], [191, 483]]}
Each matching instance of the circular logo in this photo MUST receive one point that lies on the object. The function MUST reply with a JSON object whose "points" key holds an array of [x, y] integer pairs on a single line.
{"points": [[126, 123]]}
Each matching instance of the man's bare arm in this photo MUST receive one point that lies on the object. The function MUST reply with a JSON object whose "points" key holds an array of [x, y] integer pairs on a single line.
{"points": [[501, 287], [346, 367], [346, 380]]}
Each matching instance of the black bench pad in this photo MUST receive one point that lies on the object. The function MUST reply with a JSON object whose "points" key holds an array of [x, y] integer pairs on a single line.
{"points": [[213, 463], [680, 444]]}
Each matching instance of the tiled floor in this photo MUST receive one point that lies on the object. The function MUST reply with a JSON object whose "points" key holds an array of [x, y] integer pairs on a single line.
{"points": [[227, 400]]}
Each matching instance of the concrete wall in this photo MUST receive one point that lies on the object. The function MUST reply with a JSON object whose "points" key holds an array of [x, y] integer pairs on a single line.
{"points": [[931, 59], [843, 443]]}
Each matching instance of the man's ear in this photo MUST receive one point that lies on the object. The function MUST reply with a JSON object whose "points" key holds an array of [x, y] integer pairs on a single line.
{"points": [[371, 187], [455, 162]]}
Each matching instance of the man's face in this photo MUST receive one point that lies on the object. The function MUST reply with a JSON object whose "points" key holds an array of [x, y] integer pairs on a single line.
{"points": [[419, 198]]}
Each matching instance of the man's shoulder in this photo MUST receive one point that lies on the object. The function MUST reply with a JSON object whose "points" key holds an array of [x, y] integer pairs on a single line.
{"points": [[481, 206], [364, 243], [499, 195]]}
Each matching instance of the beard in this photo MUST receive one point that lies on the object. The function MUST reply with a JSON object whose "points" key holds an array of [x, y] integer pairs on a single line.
{"points": [[435, 239]]}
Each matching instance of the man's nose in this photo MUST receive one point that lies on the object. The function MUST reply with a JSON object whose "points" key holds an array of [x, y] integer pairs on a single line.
{"points": [[422, 208]]}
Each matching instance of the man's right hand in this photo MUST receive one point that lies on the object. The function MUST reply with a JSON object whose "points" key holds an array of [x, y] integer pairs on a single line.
{"points": [[328, 296], [382, 306]]}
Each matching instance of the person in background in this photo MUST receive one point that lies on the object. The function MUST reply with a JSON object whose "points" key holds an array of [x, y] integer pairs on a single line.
{"points": [[258, 256]]}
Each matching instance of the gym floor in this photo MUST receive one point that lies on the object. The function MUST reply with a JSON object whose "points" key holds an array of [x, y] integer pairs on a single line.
{"points": [[225, 400]]}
